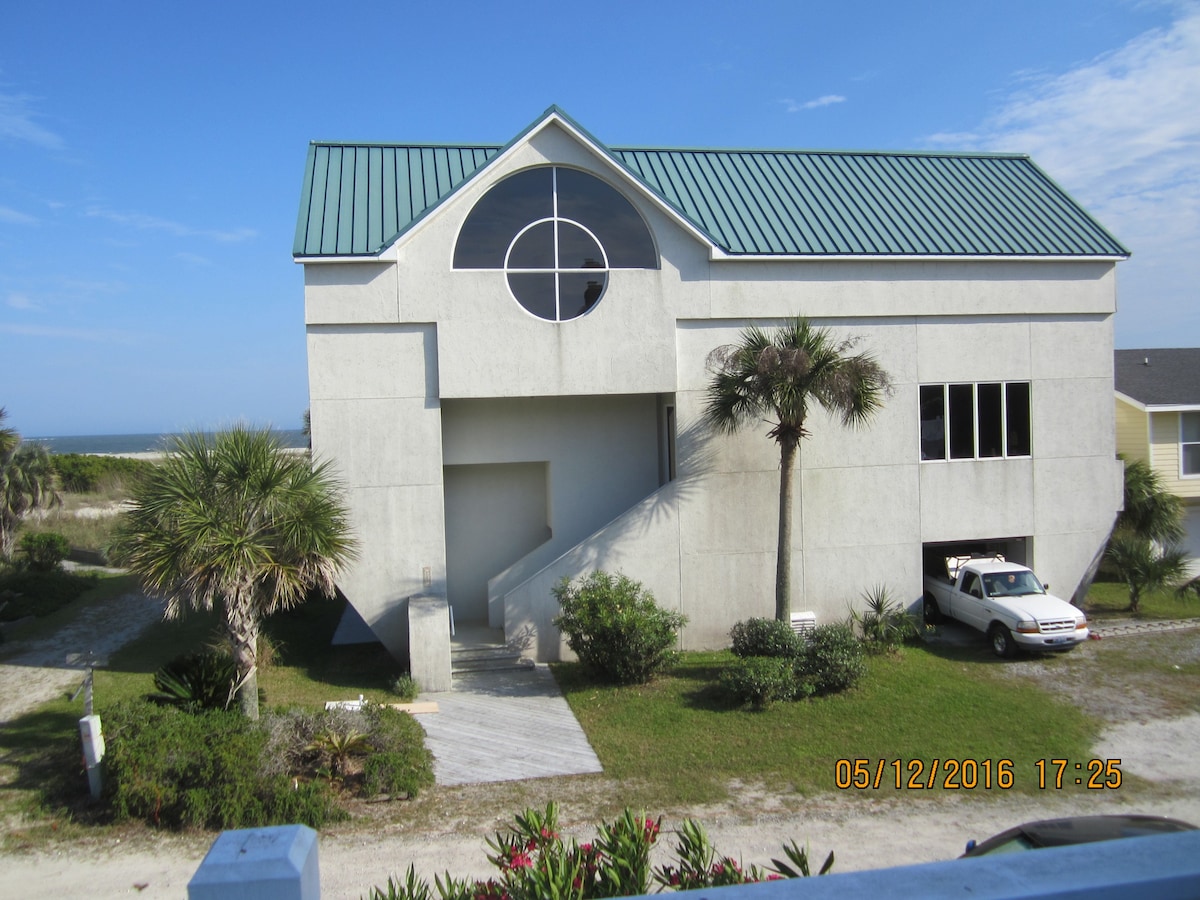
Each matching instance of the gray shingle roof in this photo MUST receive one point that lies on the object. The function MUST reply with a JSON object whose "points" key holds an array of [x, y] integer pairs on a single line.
{"points": [[1172, 377], [359, 198]]}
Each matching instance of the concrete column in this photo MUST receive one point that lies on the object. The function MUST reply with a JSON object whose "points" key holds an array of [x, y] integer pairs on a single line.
{"points": [[429, 642]]}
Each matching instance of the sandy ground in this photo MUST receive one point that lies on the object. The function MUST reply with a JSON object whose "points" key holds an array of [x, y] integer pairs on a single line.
{"points": [[1151, 729]]}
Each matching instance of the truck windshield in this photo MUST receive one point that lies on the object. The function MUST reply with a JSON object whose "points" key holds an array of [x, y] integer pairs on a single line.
{"points": [[1011, 584]]}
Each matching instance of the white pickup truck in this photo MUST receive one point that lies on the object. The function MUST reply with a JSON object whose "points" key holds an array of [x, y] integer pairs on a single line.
{"points": [[1005, 601]]}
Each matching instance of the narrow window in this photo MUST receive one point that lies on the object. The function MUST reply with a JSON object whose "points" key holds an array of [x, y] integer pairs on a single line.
{"points": [[1016, 418], [933, 421], [1189, 435], [962, 421], [991, 420]]}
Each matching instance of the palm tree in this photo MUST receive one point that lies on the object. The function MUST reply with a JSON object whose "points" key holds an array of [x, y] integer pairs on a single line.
{"points": [[235, 522], [1150, 510], [1143, 566], [27, 481], [775, 375]]}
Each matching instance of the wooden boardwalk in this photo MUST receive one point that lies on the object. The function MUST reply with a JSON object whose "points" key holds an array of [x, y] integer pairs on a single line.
{"points": [[505, 726]]}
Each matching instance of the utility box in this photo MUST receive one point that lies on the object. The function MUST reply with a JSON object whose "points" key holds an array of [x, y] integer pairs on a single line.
{"points": [[278, 863]]}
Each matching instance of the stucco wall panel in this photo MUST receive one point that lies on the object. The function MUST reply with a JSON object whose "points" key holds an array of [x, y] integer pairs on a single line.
{"points": [[339, 293], [874, 287], [835, 579], [1072, 347], [736, 512], [720, 589], [1076, 495], [1064, 410], [973, 349], [852, 506], [966, 500], [402, 446], [362, 362]]}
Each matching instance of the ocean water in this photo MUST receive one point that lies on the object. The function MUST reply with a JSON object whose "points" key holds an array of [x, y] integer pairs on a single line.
{"points": [[135, 443]]}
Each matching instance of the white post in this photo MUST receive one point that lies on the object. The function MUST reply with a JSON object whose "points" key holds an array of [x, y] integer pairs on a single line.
{"points": [[93, 751]]}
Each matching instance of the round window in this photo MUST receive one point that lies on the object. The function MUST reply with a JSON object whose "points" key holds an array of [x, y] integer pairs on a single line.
{"points": [[556, 233]]}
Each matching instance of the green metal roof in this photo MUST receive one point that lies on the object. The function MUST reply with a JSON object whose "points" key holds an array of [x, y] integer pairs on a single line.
{"points": [[359, 198]]}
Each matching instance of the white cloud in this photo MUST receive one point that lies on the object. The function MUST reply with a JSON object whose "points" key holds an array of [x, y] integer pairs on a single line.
{"points": [[21, 301], [12, 217], [147, 222], [91, 335], [1121, 132], [827, 100], [17, 123]]}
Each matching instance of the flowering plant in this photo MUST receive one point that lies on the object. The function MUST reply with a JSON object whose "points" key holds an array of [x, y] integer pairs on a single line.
{"points": [[535, 863]]}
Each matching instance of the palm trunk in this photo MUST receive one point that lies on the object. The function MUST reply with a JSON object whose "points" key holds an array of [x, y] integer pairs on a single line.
{"points": [[783, 556], [243, 626]]}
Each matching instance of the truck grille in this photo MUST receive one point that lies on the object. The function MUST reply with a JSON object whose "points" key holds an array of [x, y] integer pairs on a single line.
{"points": [[1056, 626]]}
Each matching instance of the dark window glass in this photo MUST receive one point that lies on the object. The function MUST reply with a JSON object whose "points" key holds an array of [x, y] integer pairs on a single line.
{"points": [[535, 291], [991, 420], [1191, 459], [534, 249], [500, 213], [1019, 429], [589, 201], [596, 228], [933, 421], [962, 421], [577, 249], [578, 292]]}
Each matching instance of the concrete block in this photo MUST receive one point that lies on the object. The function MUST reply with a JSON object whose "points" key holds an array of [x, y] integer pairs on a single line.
{"points": [[278, 863]]}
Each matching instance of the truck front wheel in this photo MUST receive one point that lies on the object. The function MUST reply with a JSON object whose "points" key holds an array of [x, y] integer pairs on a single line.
{"points": [[1003, 644]]}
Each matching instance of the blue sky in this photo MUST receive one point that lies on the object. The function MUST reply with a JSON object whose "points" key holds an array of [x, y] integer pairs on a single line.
{"points": [[153, 152]]}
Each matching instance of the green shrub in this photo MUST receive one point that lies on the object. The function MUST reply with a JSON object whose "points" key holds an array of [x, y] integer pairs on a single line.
{"points": [[405, 687], [765, 637], [759, 681], [832, 660], [884, 624], [173, 769], [616, 629], [82, 473], [44, 552], [197, 681], [32, 593]]}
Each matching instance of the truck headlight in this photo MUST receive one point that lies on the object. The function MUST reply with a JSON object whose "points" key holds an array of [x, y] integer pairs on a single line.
{"points": [[1027, 627], [1080, 622]]}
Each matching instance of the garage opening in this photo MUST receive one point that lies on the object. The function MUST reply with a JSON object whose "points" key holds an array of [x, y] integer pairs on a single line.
{"points": [[934, 554]]}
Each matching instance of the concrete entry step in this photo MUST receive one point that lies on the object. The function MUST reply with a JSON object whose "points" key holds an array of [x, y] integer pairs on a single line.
{"points": [[477, 648]]}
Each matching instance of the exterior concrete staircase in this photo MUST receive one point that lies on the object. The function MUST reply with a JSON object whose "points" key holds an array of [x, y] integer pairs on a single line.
{"points": [[477, 648]]}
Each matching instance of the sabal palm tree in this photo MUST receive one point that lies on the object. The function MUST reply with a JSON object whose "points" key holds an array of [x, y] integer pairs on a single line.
{"points": [[27, 481], [1143, 566], [776, 375], [1150, 510], [235, 522]]}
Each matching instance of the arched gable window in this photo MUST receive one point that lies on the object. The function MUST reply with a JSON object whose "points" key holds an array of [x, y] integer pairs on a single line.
{"points": [[556, 233]]}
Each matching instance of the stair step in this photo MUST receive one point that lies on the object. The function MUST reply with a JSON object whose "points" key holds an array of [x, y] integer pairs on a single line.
{"points": [[481, 658]]}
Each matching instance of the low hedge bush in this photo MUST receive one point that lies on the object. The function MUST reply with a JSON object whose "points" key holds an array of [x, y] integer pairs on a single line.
{"points": [[44, 551], [765, 637], [832, 660], [759, 681], [616, 629]]}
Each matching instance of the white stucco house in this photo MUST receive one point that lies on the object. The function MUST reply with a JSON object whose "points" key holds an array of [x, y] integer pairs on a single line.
{"points": [[507, 363]]}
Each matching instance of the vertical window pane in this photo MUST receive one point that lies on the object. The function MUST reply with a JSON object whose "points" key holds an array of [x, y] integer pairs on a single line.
{"points": [[610, 216], [1018, 425], [962, 421], [1191, 459], [1190, 427], [990, 430], [933, 421]]}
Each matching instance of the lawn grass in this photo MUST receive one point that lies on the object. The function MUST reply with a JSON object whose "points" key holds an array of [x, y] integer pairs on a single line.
{"points": [[1109, 599], [681, 739]]}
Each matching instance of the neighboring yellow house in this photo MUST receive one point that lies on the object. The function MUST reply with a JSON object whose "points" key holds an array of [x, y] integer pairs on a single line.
{"points": [[1158, 420]]}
